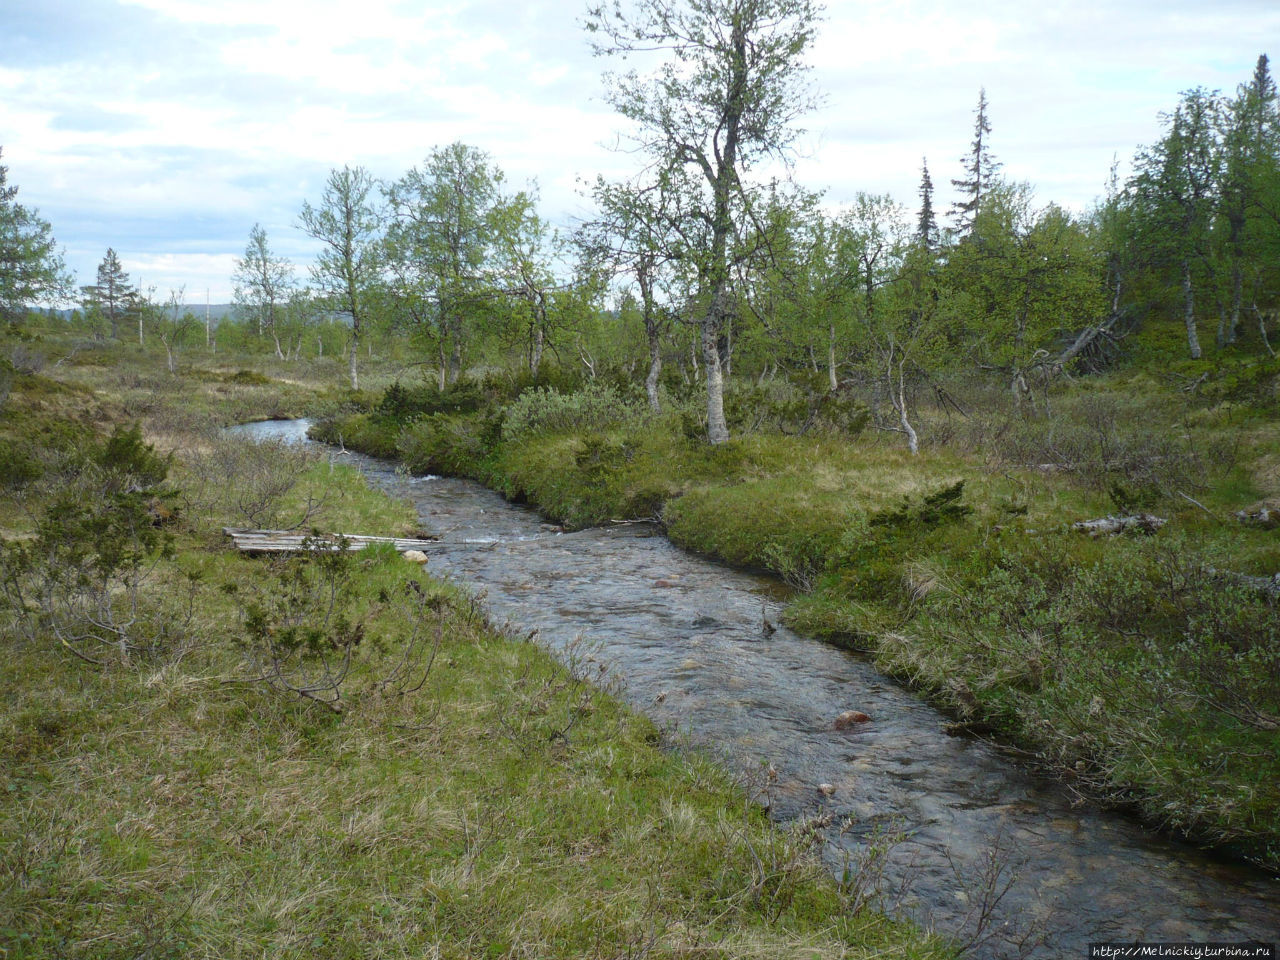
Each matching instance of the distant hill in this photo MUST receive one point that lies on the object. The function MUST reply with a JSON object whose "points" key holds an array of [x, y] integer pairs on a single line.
{"points": [[217, 311]]}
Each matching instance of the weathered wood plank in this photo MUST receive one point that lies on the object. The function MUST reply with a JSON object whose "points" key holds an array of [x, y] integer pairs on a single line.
{"points": [[289, 541]]}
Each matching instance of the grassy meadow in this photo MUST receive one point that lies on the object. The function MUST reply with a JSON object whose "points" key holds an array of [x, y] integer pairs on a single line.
{"points": [[207, 755]]}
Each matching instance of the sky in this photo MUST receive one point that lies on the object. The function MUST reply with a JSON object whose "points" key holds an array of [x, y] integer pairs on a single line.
{"points": [[166, 129]]}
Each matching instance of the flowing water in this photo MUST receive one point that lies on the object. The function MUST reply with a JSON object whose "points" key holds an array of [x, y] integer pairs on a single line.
{"points": [[980, 848]]}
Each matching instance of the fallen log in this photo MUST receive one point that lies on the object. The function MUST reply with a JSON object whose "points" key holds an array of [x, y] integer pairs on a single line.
{"points": [[1111, 525]]}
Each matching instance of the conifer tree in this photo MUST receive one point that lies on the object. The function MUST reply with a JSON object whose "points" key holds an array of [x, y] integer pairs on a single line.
{"points": [[980, 170], [926, 222], [31, 266], [113, 292], [1250, 127]]}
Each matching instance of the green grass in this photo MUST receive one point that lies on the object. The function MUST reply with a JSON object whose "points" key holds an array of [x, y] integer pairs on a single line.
{"points": [[1126, 667], [510, 806]]}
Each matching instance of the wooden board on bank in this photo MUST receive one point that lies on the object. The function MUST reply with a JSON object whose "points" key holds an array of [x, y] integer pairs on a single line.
{"points": [[291, 541]]}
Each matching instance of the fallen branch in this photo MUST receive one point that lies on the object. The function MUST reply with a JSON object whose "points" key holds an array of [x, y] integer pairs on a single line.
{"points": [[1111, 525], [1200, 505]]}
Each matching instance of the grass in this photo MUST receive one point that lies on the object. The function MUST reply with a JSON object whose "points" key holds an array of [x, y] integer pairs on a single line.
{"points": [[1133, 669], [508, 806]]}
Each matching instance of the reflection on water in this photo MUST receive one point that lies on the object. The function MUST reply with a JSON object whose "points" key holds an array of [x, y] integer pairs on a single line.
{"points": [[689, 639]]}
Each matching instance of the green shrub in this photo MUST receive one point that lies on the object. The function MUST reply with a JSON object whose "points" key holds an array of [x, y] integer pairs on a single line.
{"points": [[250, 378], [81, 580], [407, 403], [445, 444], [596, 406]]}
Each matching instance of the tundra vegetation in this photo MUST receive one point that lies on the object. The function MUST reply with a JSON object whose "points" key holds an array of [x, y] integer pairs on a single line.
{"points": [[905, 420]]}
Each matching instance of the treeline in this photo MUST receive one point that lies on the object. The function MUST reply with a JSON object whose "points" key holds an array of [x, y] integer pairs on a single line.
{"points": [[874, 292], [699, 264]]}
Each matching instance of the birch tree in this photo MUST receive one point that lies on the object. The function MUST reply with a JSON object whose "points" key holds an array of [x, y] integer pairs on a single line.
{"points": [[348, 224], [264, 283], [725, 98]]}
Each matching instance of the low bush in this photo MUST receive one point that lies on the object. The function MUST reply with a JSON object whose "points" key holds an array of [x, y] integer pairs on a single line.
{"points": [[794, 406], [99, 541], [406, 403], [1103, 439], [596, 406], [247, 484], [444, 444]]}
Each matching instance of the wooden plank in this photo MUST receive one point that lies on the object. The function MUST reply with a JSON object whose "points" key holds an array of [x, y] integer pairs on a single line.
{"points": [[289, 541]]}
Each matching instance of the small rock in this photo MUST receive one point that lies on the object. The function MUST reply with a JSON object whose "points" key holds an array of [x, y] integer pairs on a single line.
{"points": [[414, 556], [826, 789], [663, 584], [1264, 514], [689, 665], [849, 718]]}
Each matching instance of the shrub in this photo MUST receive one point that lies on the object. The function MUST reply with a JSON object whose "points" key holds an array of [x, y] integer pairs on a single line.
{"points": [[1104, 440], [407, 403], [795, 406], [249, 484], [442, 443], [596, 406], [80, 579], [251, 378]]}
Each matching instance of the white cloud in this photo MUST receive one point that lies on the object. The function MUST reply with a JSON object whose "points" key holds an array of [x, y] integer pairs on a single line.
{"points": [[210, 116]]}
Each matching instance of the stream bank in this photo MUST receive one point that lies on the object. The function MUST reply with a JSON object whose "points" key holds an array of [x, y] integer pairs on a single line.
{"points": [[976, 846]]}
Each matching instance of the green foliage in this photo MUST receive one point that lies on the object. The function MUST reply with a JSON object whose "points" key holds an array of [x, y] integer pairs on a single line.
{"points": [[506, 384], [596, 406], [942, 506], [98, 541], [1175, 667], [31, 266], [297, 624], [445, 444], [249, 377], [406, 403], [129, 462]]}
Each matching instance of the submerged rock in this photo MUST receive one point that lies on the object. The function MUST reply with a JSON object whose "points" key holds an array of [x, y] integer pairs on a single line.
{"points": [[850, 718]]}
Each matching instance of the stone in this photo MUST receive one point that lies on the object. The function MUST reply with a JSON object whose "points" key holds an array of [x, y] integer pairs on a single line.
{"points": [[849, 718], [414, 556], [826, 789]]}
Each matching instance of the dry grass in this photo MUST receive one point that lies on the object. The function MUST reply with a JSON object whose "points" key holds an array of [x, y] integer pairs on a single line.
{"points": [[157, 810]]}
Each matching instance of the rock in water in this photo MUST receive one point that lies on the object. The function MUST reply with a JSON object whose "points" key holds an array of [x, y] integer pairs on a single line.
{"points": [[849, 718], [414, 556]]}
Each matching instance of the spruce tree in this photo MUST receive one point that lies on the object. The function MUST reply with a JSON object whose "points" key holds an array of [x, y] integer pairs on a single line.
{"points": [[926, 222], [979, 170]]}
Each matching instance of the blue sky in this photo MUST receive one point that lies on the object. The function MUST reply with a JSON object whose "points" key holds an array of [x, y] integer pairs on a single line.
{"points": [[167, 128]]}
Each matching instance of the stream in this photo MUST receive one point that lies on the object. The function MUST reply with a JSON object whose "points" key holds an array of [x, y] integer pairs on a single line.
{"points": [[955, 834]]}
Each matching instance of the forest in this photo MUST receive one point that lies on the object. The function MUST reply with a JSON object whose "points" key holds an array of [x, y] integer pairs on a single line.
{"points": [[1024, 459]]}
